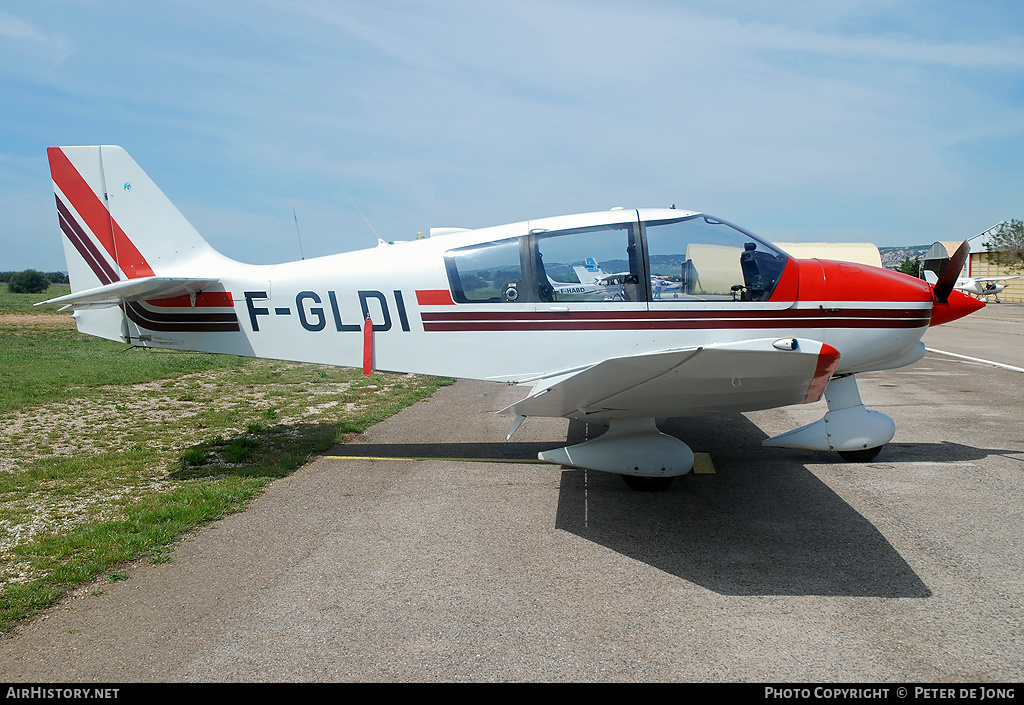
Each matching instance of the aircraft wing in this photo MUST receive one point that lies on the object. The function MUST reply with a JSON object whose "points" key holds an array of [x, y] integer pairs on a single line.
{"points": [[131, 290], [743, 376]]}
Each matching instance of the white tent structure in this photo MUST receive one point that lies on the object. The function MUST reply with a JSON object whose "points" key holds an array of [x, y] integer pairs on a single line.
{"points": [[856, 252]]}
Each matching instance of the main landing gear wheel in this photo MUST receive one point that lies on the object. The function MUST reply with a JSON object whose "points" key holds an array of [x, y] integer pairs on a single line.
{"points": [[647, 484], [860, 456]]}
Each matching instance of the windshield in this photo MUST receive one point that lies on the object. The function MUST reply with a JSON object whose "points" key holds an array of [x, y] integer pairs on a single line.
{"points": [[701, 257]]}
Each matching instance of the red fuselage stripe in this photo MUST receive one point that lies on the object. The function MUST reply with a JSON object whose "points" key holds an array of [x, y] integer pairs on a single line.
{"points": [[203, 298], [434, 297], [182, 322]]}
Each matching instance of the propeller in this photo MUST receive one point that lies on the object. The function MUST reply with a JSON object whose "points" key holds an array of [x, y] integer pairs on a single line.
{"points": [[950, 273]]}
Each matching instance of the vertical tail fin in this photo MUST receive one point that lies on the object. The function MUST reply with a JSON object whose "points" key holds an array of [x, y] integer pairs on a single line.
{"points": [[590, 272], [119, 227], [118, 224]]}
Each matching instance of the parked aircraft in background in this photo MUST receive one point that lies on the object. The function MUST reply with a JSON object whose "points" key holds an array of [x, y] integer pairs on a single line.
{"points": [[752, 327], [597, 284], [594, 284], [982, 287]]}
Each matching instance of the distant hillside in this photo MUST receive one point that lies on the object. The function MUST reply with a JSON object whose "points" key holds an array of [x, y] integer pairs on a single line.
{"points": [[892, 257]]}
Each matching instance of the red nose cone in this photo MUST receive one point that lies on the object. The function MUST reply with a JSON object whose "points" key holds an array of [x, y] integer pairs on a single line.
{"points": [[958, 306]]}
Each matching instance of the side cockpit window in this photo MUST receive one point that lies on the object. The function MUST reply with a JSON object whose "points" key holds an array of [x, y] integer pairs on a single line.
{"points": [[486, 273], [699, 258], [584, 265], [593, 264]]}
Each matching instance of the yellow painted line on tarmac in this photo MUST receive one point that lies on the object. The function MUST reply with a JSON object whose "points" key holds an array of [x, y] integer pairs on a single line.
{"points": [[430, 457], [702, 464]]}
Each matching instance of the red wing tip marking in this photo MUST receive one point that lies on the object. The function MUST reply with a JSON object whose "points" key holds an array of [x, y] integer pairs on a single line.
{"points": [[828, 360]]}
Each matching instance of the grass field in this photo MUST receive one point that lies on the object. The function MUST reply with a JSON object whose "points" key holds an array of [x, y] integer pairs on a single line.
{"points": [[110, 453]]}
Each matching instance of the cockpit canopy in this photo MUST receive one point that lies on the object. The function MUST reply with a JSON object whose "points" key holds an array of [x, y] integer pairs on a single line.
{"points": [[685, 257]]}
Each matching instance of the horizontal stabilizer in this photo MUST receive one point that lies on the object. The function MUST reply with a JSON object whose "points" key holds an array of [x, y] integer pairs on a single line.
{"points": [[131, 290]]}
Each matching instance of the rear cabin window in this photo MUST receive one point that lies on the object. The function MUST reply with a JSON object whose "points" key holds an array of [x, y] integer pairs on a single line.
{"points": [[487, 273]]}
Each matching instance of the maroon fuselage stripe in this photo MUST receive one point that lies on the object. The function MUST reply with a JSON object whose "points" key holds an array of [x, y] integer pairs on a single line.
{"points": [[752, 314], [675, 320]]}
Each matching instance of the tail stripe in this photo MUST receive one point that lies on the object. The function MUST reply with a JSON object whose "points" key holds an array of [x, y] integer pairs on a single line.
{"points": [[74, 232], [184, 323], [151, 320], [99, 220]]}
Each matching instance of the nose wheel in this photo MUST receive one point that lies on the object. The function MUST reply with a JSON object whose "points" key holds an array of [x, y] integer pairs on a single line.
{"points": [[858, 434]]}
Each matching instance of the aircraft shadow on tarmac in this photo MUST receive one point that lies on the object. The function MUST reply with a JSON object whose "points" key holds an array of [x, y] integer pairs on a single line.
{"points": [[763, 524]]}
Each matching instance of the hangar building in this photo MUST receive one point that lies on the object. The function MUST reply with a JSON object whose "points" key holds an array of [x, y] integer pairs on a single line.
{"points": [[978, 264]]}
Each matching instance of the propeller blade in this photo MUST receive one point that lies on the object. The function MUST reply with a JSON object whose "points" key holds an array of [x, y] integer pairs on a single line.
{"points": [[950, 273]]}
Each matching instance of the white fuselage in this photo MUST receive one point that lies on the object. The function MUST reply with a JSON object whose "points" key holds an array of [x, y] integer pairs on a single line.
{"points": [[314, 311]]}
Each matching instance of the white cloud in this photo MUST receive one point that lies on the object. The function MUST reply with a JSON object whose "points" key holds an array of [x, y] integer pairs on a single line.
{"points": [[862, 116], [23, 34]]}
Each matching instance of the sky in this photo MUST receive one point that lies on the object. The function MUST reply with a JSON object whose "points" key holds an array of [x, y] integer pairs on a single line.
{"points": [[309, 127]]}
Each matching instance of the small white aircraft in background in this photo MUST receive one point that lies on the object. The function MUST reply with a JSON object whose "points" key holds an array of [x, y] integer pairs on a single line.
{"points": [[619, 286], [594, 284], [757, 328], [981, 287], [662, 286]]}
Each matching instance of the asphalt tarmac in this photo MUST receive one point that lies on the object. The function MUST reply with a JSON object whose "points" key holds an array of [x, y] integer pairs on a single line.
{"points": [[443, 553]]}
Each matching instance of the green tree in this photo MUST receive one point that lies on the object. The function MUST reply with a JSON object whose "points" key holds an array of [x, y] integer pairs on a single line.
{"points": [[31, 281], [910, 266], [1006, 245]]}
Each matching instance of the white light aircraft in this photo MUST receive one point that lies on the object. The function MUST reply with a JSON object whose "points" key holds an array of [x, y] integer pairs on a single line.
{"points": [[594, 284], [982, 287], [756, 328]]}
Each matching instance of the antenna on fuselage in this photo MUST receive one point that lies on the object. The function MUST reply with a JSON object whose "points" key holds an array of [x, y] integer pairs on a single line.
{"points": [[296, 217], [358, 211]]}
